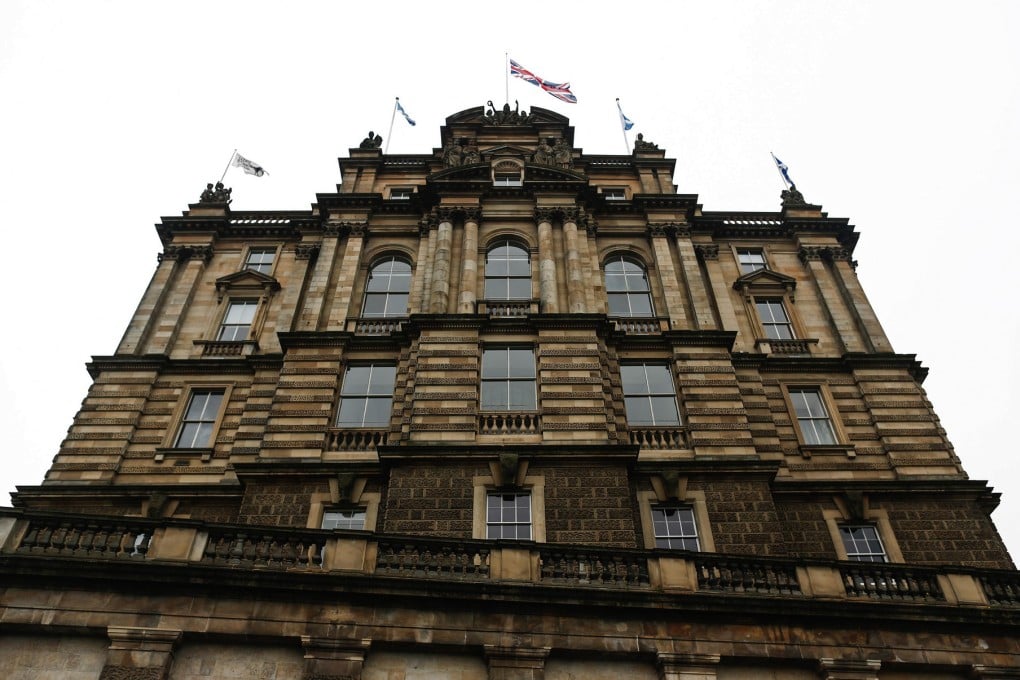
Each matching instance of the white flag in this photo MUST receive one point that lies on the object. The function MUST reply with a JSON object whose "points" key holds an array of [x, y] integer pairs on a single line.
{"points": [[250, 167]]}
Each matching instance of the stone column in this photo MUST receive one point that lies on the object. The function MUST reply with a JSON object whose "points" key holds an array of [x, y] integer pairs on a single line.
{"points": [[667, 274], [839, 669], [516, 663], [575, 275], [709, 254], [139, 653], [548, 295], [318, 283], [350, 267], [423, 275], [469, 278], [597, 282], [327, 658], [304, 255], [840, 319], [439, 299], [872, 331], [160, 337], [704, 318], [687, 666], [149, 307]]}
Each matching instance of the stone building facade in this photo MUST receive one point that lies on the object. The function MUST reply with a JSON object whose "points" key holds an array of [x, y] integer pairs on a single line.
{"points": [[506, 410]]}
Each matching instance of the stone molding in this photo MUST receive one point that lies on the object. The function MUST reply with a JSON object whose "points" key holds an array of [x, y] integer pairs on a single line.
{"points": [[840, 669], [824, 253], [707, 251], [306, 251], [183, 253]]}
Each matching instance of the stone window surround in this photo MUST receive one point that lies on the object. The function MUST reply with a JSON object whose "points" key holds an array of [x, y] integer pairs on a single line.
{"points": [[879, 517], [735, 249], [643, 257], [177, 419], [252, 248], [356, 497], [842, 441], [368, 259], [682, 496], [484, 484]]}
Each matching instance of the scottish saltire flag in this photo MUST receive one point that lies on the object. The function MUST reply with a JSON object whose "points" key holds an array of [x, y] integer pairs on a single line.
{"points": [[559, 90], [626, 122], [404, 113], [783, 170], [249, 167]]}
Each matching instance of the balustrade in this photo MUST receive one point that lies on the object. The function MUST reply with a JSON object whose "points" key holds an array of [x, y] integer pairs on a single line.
{"points": [[593, 567], [658, 437], [1003, 589], [354, 440], [128, 538], [509, 423], [739, 575], [432, 559], [507, 308], [378, 326], [638, 326], [890, 582], [256, 548]]}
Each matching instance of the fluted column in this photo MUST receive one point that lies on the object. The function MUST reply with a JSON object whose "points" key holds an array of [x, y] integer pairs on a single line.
{"points": [[546, 263], [349, 272], [659, 234], [469, 277], [575, 276], [439, 299]]}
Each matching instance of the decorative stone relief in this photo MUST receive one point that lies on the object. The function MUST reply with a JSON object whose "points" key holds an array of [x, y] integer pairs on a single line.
{"points": [[707, 251], [506, 116], [217, 194], [185, 253]]}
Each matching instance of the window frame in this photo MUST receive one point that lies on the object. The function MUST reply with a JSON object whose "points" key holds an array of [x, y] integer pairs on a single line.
{"points": [[739, 252], [627, 293], [861, 555], [508, 380], [366, 396], [389, 292], [503, 523], [832, 415], [173, 434], [507, 242], [401, 193], [614, 193], [659, 496], [224, 325], [650, 395], [263, 250], [765, 326], [507, 179], [675, 507], [358, 510]]}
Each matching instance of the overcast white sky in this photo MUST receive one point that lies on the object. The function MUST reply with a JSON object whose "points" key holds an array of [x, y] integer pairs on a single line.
{"points": [[902, 116]]}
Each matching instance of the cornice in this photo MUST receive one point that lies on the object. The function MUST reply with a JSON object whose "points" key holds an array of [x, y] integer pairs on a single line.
{"points": [[165, 365], [848, 362], [564, 453]]}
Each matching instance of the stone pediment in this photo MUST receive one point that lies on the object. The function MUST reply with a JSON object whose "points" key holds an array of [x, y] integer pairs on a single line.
{"points": [[247, 280], [765, 277], [478, 115]]}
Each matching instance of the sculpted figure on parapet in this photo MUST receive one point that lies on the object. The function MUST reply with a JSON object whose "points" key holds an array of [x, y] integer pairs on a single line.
{"points": [[453, 153], [372, 141], [217, 194], [792, 197], [506, 116], [561, 154], [545, 152], [641, 144]]}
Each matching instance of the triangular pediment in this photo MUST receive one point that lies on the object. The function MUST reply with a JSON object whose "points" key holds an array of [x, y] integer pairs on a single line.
{"points": [[765, 277], [245, 277]]}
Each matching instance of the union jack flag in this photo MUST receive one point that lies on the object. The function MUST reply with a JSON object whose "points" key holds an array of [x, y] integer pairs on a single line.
{"points": [[559, 90]]}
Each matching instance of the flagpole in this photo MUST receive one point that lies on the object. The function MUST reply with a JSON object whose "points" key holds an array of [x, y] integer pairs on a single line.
{"points": [[775, 162], [392, 117], [228, 165], [623, 128], [506, 74]]}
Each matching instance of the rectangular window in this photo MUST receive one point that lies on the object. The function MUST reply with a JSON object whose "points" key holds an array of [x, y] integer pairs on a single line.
{"points": [[261, 260], [343, 519], [675, 527], [199, 420], [507, 179], [614, 194], [774, 319], [401, 194], [366, 398], [812, 417], [508, 379], [862, 543], [649, 395], [751, 260], [237, 321], [508, 515]]}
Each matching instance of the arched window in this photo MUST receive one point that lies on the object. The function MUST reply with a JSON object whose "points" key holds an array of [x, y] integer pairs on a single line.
{"points": [[627, 288], [507, 272], [389, 282]]}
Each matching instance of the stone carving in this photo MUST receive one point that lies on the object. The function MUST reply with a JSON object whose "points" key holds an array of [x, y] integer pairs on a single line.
{"points": [[184, 253], [506, 116], [554, 152], [707, 251], [453, 152], [825, 253], [131, 673], [217, 194], [662, 228], [471, 154], [792, 197], [641, 145], [372, 141], [544, 214], [562, 156], [306, 251]]}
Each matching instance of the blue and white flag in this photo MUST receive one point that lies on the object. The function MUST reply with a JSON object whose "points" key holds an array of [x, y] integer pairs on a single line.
{"points": [[626, 122], [404, 113], [783, 170]]}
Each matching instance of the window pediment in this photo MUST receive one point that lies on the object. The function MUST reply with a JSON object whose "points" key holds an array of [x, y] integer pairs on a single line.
{"points": [[766, 282], [246, 282]]}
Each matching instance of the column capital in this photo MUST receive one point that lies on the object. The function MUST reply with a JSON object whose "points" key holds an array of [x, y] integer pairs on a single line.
{"points": [[824, 253], [545, 214], [472, 214], [427, 224], [668, 229], [707, 251], [570, 214], [306, 251], [183, 253]]}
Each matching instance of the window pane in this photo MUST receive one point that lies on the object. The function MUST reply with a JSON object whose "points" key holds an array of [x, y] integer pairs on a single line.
{"points": [[240, 313], [639, 411], [377, 412], [352, 412], [615, 282], [518, 289], [522, 395], [640, 305], [659, 379], [383, 379], [522, 363], [357, 379], [619, 304], [396, 304], [494, 396], [494, 363], [375, 305], [664, 411]]}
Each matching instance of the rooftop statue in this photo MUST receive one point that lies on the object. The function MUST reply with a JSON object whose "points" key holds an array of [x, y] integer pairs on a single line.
{"points": [[506, 116], [217, 194], [641, 144], [792, 197], [372, 141]]}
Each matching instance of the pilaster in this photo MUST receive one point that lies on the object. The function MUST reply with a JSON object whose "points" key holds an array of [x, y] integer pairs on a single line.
{"points": [[191, 263], [469, 258], [349, 272], [439, 298], [331, 659], [548, 294], [516, 663], [139, 653], [318, 284], [704, 319], [659, 232], [709, 254], [687, 666], [149, 307], [575, 277]]}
